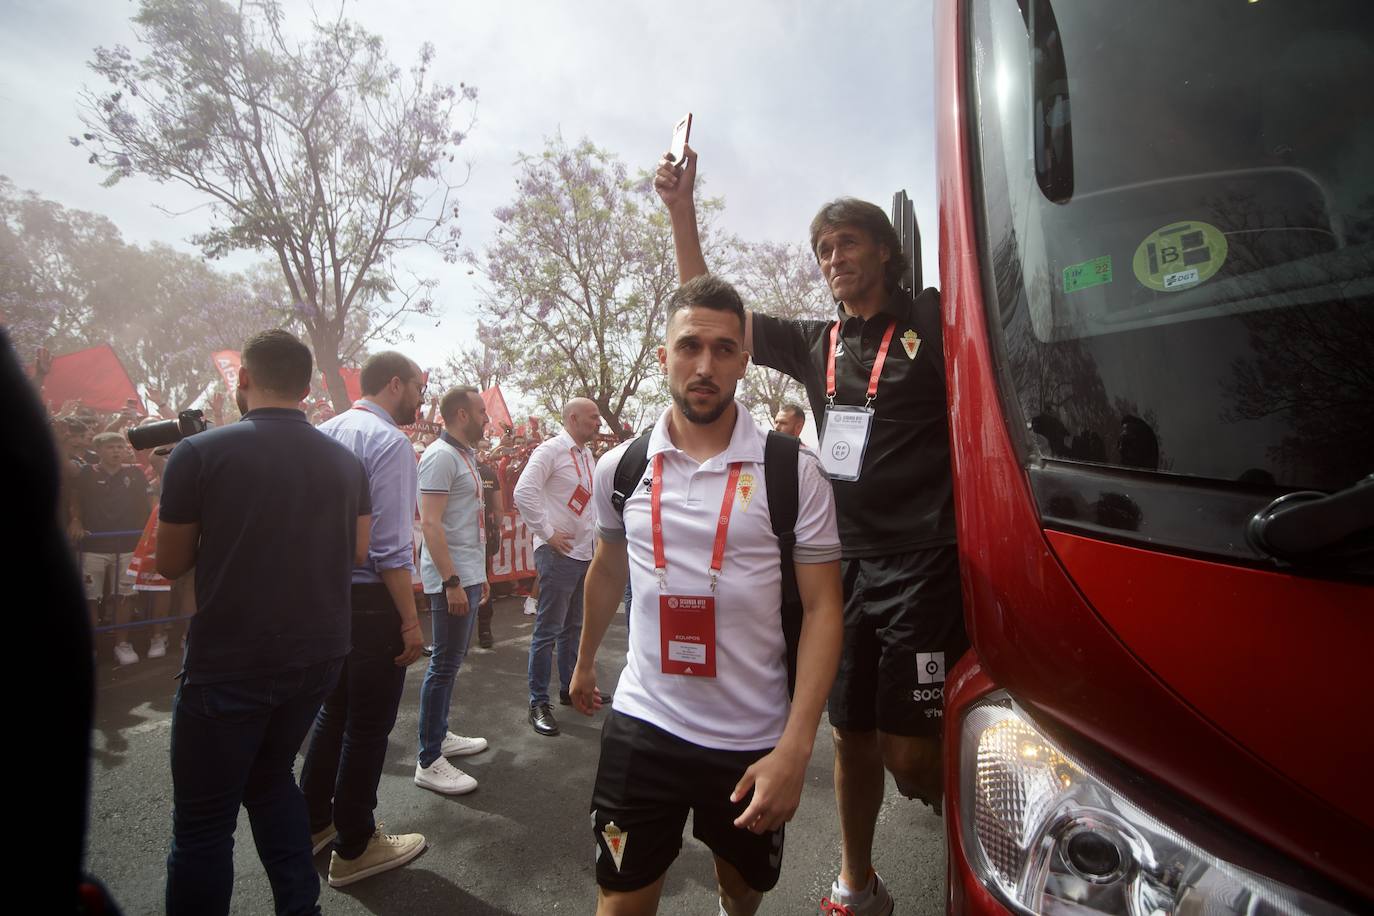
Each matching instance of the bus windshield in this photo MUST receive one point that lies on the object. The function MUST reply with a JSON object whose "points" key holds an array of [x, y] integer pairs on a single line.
{"points": [[1193, 291]]}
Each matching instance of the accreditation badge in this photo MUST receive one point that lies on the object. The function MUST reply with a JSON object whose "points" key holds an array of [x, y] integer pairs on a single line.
{"points": [[845, 439], [687, 634], [579, 499]]}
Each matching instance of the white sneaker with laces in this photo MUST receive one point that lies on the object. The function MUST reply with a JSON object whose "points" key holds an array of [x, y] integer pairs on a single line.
{"points": [[125, 654], [444, 778], [531, 606], [873, 900], [157, 647], [460, 746]]}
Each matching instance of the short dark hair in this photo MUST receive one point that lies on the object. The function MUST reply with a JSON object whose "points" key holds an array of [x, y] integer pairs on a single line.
{"points": [[278, 362], [454, 400], [381, 368], [849, 211], [707, 291], [794, 409]]}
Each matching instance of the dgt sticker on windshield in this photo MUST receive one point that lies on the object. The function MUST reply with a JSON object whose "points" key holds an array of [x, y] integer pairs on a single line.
{"points": [[1179, 256]]}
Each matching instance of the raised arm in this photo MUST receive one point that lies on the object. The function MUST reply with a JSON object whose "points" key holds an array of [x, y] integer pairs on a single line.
{"points": [[675, 183]]}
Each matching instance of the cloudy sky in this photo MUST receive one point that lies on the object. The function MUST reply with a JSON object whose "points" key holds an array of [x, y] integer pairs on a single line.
{"points": [[794, 103]]}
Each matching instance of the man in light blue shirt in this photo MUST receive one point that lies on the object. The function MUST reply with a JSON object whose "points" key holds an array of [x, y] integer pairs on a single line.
{"points": [[453, 569], [348, 746]]}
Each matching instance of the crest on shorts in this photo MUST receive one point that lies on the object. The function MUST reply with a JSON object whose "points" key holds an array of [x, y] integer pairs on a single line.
{"points": [[745, 489], [615, 841], [911, 343]]}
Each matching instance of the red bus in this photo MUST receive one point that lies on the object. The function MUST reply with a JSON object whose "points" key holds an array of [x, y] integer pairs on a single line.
{"points": [[1157, 263]]}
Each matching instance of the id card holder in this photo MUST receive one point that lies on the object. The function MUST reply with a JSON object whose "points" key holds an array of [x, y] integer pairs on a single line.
{"points": [[579, 499], [845, 439], [687, 634]]}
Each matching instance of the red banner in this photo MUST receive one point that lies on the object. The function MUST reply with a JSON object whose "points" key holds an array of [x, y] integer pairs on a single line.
{"points": [[95, 377], [424, 426], [497, 413], [227, 362], [515, 559]]}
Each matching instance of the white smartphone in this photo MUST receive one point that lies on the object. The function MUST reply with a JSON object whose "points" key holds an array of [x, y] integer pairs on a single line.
{"points": [[682, 132]]}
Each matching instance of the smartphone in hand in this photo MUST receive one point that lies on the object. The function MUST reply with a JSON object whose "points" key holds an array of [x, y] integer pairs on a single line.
{"points": [[682, 133]]}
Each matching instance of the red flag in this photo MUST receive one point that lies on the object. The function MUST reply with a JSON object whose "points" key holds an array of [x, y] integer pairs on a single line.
{"points": [[353, 382], [94, 376], [497, 413], [227, 362]]}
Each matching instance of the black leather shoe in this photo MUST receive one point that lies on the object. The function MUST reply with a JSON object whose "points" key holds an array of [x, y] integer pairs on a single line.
{"points": [[541, 717], [564, 699], [484, 639]]}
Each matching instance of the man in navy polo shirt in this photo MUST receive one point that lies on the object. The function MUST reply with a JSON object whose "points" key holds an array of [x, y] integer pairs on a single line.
{"points": [[273, 515]]}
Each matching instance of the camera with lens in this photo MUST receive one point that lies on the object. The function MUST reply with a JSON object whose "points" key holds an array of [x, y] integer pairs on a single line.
{"points": [[168, 432]]}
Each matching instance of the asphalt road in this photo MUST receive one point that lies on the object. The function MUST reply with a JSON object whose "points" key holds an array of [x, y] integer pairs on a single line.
{"points": [[521, 844]]}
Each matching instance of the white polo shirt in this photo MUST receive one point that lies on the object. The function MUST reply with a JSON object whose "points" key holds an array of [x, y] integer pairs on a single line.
{"points": [[745, 706], [547, 483]]}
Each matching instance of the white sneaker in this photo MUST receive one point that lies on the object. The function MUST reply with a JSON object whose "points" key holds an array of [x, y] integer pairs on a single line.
{"points": [[531, 607], [157, 647], [444, 778], [459, 746], [125, 654], [873, 900]]}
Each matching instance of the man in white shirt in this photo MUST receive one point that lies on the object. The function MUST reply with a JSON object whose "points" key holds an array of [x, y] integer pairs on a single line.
{"points": [[554, 497], [702, 718]]}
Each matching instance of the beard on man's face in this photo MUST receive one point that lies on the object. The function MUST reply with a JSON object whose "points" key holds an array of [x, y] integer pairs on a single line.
{"points": [[709, 414], [241, 401]]}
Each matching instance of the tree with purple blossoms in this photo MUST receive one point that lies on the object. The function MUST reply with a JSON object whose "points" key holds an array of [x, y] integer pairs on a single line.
{"points": [[578, 279], [783, 281], [318, 152]]}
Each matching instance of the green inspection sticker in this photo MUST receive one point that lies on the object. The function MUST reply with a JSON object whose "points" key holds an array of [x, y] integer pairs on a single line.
{"points": [[1179, 256], [1089, 273]]}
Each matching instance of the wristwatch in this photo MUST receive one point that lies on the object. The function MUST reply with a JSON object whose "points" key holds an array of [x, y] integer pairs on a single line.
{"points": [[452, 582]]}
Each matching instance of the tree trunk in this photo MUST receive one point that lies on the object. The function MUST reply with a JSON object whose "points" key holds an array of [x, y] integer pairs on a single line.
{"points": [[326, 345]]}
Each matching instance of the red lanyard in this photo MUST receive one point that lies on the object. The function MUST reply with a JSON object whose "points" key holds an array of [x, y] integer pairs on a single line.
{"points": [[476, 480], [727, 504], [877, 362], [577, 459]]}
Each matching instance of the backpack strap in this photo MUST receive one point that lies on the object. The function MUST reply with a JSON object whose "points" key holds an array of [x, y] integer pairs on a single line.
{"points": [[629, 472], [780, 455]]}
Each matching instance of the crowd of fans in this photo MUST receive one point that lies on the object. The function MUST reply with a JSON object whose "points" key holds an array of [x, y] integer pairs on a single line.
{"points": [[109, 500]]}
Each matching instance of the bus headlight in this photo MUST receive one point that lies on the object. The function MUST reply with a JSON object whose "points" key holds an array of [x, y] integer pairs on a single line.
{"points": [[1047, 836]]}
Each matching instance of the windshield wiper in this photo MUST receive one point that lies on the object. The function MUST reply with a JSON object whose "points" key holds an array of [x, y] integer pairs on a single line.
{"points": [[1308, 528]]}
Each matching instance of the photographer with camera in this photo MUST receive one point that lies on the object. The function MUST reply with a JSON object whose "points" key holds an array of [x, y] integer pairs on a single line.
{"points": [[273, 515]]}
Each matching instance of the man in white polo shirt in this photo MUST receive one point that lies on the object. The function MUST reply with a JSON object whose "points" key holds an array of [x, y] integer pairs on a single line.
{"points": [[554, 497], [702, 718], [453, 569]]}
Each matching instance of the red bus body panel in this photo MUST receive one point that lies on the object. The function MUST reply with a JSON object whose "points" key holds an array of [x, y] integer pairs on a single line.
{"points": [[1237, 689]]}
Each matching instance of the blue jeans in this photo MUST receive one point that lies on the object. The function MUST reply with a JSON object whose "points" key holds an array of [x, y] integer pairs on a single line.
{"points": [[347, 752], [235, 743], [557, 620], [451, 638]]}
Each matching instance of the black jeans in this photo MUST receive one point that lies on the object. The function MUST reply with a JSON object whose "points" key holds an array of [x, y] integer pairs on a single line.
{"points": [[343, 764], [235, 743]]}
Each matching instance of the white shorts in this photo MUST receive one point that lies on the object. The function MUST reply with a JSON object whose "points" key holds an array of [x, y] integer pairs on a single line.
{"points": [[98, 568]]}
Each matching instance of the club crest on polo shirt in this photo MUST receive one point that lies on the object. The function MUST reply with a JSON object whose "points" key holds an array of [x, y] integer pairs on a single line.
{"points": [[911, 343], [615, 841], [744, 490]]}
